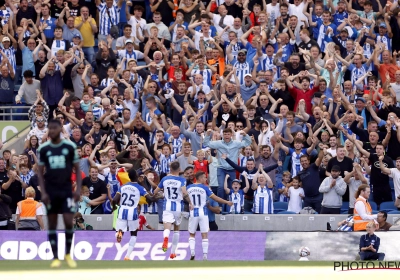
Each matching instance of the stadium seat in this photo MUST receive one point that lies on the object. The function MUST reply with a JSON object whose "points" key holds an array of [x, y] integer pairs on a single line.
{"points": [[287, 212], [344, 211], [394, 212], [373, 204], [278, 210], [375, 211], [281, 205], [387, 206], [345, 206], [247, 212]]}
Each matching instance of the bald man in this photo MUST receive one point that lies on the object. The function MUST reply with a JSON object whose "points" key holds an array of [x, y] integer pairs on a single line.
{"points": [[175, 140], [98, 111]]}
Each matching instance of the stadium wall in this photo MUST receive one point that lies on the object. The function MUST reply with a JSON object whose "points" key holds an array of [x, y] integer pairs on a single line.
{"points": [[276, 222], [224, 246]]}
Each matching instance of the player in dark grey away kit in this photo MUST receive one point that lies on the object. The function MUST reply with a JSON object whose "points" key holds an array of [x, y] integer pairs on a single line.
{"points": [[58, 156]]}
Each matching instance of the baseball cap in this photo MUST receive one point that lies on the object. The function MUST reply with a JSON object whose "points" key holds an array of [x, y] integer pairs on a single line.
{"points": [[269, 44], [5, 39], [77, 36], [345, 30], [237, 181], [317, 95], [75, 98], [248, 75], [258, 119], [128, 41], [361, 99], [117, 120], [336, 168], [382, 25], [243, 51]]}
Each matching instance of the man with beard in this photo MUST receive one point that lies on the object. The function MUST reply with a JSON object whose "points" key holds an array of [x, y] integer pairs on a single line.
{"points": [[379, 181], [333, 188], [52, 85], [313, 198], [39, 130]]}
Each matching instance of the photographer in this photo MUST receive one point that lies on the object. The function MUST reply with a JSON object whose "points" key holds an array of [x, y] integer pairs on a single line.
{"points": [[369, 245], [79, 223]]}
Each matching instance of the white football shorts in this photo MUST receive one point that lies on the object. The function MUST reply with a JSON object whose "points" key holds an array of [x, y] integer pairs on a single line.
{"points": [[195, 221], [124, 225], [172, 217]]}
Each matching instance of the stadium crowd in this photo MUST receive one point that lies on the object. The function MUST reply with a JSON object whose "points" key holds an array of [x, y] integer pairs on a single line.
{"points": [[295, 102]]}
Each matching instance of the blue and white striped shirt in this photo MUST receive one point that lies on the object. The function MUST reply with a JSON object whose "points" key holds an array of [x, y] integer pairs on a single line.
{"points": [[134, 54], [198, 194], [206, 73], [238, 201], [10, 53], [263, 201], [241, 69], [166, 161], [172, 187], [105, 21]]}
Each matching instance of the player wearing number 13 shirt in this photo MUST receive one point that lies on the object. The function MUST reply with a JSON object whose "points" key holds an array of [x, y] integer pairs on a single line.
{"points": [[198, 194], [58, 156], [174, 188]]}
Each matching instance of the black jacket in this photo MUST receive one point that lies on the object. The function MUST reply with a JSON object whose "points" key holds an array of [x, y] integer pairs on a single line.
{"points": [[5, 211]]}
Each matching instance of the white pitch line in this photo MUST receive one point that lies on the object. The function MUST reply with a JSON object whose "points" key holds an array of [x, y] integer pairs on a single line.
{"points": [[203, 273]]}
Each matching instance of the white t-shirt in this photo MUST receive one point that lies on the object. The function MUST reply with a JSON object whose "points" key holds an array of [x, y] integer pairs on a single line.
{"points": [[197, 36], [395, 174], [228, 20], [332, 152], [297, 11], [295, 201], [133, 21], [273, 11]]}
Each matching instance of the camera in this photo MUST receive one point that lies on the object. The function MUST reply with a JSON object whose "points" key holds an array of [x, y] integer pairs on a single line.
{"points": [[80, 220]]}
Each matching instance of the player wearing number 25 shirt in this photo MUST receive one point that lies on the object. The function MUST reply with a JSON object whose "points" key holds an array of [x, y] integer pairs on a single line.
{"points": [[174, 188], [198, 195], [128, 197]]}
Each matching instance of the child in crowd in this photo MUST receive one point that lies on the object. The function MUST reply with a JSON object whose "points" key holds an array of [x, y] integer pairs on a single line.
{"points": [[236, 195], [296, 195], [282, 187], [201, 164], [84, 202]]}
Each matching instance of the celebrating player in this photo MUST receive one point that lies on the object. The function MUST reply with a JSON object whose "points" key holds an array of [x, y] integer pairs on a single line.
{"points": [[174, 188], [128, 197], [59, 156], [198, 194]]}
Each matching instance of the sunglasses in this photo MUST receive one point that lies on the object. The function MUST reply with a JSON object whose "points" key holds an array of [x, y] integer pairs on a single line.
{"points": [[60, 118], [40, 121]]}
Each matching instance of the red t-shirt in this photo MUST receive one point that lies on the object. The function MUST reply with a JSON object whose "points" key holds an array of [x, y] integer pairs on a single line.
{"points": [[307, 95]]}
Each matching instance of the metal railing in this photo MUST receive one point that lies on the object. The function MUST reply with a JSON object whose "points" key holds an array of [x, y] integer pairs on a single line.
{"points": [[15, 113], [12, 111]]}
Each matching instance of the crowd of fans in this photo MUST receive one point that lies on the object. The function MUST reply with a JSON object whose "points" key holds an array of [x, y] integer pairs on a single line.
{"points": [[276, 101]]}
